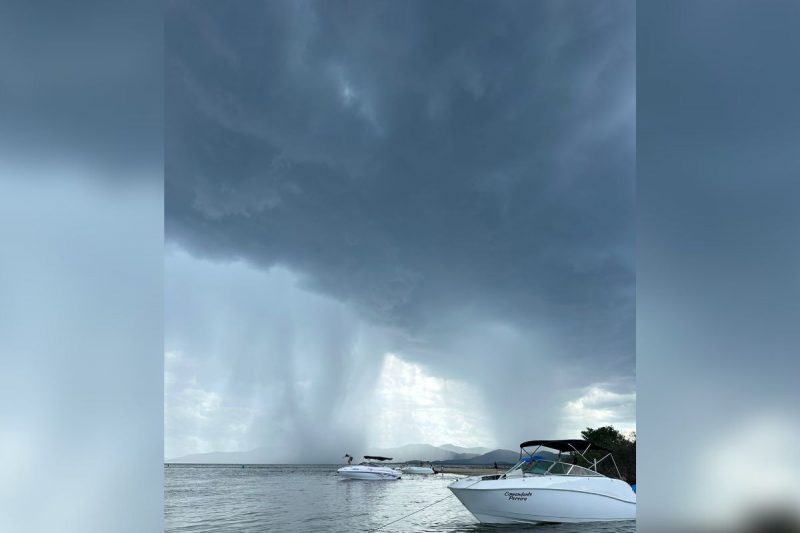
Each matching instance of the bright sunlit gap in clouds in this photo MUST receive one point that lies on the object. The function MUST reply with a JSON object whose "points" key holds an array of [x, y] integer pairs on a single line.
{"points": [[597, 407], [414, 407], [254, 359]]}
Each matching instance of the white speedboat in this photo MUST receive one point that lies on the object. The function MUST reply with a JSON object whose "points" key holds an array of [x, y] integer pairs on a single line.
{"points": [[411, 469], [551, 488], [370, 470]]}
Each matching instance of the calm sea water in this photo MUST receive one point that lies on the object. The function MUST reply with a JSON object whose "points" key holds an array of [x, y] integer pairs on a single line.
{"points": [[314, 498]]}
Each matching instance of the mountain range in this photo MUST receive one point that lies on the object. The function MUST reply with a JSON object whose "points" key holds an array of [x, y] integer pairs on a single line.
{"points": [[445, 454], [426, 452], [478, 450], [501, 457]]}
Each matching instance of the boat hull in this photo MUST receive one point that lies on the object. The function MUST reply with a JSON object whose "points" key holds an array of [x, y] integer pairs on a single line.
{"points": [[547, 499], [369, 473]]}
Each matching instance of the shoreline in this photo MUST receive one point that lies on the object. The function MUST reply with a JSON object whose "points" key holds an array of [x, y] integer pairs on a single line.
{"points": [[463, 470]]}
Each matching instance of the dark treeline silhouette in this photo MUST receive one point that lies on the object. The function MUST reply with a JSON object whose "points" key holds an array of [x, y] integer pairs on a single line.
{"points": [[623, 448]]}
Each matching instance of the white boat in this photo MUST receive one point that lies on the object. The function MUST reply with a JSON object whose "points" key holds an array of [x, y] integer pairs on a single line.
{"points": [[410, 469], [370, 470], [549, 489]]}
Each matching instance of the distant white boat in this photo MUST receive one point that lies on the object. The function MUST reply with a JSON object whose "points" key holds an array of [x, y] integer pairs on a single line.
{"points": [[417, 470], [538, 489], [369, 470]]}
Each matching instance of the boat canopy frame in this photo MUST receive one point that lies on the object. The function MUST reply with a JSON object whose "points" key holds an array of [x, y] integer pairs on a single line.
{"points": [[570, 446]]}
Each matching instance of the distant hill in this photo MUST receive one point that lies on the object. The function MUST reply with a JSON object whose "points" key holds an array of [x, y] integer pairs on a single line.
{"points": [[261, 455], [478, 450], [217, 458], [501, 457], [449, 453], [420, 452], [506, 457]]}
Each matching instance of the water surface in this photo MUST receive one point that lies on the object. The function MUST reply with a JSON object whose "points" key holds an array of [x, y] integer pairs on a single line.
{"points": [[260, 498]]}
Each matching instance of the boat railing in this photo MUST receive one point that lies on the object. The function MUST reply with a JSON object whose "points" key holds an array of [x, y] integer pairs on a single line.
{"points": [[592, 464]]}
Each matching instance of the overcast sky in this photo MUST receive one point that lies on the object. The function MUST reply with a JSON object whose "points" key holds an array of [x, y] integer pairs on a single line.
{"points": [[397, 222]]}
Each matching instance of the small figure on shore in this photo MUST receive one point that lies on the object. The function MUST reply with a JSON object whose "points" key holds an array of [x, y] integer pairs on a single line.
{"points": [[495, 465], [349, 458]]}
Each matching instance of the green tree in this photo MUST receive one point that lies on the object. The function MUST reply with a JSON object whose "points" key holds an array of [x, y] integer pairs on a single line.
{"points": [[623, 447]]}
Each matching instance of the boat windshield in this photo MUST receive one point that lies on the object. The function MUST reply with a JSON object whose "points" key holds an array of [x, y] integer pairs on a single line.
{"points": [[537, 467], [551, 468]]}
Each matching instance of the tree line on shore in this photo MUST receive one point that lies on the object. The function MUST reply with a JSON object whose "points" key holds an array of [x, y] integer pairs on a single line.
{"points": [[623, 448]]}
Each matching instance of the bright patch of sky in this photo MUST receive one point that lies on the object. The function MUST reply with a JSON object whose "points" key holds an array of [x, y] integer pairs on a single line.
{"points": [[412, 406], [598, 406]]}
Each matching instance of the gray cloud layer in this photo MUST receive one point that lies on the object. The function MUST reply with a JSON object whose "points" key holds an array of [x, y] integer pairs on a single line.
{"points": [[461, 171]]}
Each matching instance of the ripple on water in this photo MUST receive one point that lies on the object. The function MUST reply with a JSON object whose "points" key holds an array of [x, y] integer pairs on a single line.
{"points": [[314, 498]]}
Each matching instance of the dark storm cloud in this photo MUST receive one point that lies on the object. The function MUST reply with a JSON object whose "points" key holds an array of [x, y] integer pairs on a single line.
{"points": [[416, 159], [461, 172]]}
